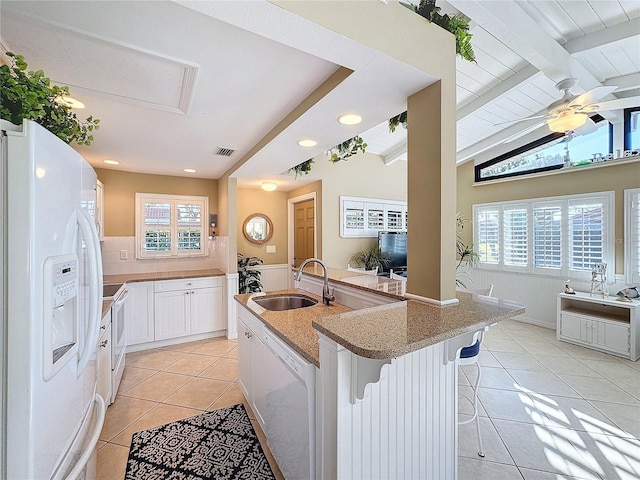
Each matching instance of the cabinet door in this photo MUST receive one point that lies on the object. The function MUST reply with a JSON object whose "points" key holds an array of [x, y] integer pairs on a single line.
{"points": [[139, 322], [206, 310], [614, 337], [103, 362], [172, 314], [244, 360], [571, 327]]}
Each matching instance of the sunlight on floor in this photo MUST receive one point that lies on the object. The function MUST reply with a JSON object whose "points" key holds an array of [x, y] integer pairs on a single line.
{"points": [[577, 448]]}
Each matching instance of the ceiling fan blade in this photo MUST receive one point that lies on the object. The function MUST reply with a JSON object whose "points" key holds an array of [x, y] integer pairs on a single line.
{"points": [[522, 133], [589, 127], [619, 104], [511, 122], [592, 96]]}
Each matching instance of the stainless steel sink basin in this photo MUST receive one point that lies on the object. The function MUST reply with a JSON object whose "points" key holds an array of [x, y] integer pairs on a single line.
{"points": [[284, 302]]}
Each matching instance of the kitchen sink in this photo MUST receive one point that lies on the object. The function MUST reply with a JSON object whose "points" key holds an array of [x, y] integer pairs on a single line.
{"points": [[284, 302]]}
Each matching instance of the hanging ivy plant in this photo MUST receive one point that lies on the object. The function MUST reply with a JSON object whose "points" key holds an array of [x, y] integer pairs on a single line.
{"points": [[302, 169], [341, 151], [346, 149], [456, 24], [30, 95]]}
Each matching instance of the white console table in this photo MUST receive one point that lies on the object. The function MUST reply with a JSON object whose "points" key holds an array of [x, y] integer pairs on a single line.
{"points": [[604, 324]]}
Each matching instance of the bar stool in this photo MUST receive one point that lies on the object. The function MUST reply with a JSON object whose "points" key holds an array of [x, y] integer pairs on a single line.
{"points": [[469, 356]]}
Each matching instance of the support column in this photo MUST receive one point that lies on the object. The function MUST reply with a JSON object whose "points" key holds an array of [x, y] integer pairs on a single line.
{"points": [[432, 193]]}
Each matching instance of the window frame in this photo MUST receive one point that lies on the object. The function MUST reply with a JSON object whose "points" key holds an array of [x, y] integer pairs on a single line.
{"points": [[173, 200], [478, 179], [564, 203], [632, 236]]}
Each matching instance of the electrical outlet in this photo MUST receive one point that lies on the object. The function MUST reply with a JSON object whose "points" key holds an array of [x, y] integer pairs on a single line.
{"points": [[271, 249], [123, 254]]}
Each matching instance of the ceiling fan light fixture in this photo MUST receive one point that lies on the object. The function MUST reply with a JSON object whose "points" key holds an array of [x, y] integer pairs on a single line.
{"points": [[567, 122]]}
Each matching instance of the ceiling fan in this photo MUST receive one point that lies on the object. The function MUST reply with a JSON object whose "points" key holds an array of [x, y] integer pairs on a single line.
{"points": [[571, 112]]}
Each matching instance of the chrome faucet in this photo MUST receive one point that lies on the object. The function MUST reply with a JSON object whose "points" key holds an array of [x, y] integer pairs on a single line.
{"points": [[327, 292]]}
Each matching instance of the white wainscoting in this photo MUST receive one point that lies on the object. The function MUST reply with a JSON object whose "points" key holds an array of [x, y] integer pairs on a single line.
{"points": [[538, 294], [274, 277]]}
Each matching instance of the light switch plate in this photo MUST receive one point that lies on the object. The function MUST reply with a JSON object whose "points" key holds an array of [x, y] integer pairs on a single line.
{"points": [[123, 254], [271, 249]]}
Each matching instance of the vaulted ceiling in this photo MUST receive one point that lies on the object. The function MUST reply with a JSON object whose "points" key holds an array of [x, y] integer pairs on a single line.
{"points": [[174, 81]]}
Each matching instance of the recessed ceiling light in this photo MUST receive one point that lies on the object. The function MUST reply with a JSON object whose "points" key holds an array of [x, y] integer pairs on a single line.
{"points": [[269, 186], [307, 142], [70, 102], [350, 119], [190, 170], [111, 162]]}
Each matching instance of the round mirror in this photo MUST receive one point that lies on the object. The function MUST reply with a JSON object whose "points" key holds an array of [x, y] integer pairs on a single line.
{"points": [[257, 228]]}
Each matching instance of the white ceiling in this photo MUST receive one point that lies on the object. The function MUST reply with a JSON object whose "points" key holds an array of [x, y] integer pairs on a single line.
{"points": [[173, 81]]}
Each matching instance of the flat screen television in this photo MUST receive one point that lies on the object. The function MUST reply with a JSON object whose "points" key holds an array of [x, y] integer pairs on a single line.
{"points": [[394, 245]]}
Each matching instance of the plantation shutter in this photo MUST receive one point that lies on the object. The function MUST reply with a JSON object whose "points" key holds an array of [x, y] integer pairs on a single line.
{"points": [[157, 227], [515, 234], [190, 226], [487, 235], [632, 236], [587, 234], [547, 235]]}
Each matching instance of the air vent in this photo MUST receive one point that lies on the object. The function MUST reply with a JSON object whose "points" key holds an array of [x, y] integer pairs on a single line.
{"points": [[225, 152]]}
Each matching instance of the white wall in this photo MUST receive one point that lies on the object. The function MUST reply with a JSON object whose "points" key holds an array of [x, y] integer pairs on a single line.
{"points": [[537, 293]]}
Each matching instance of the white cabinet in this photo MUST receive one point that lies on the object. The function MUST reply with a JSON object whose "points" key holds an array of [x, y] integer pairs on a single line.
{"points": [[99, 213], [603, 324], [251, 353], [188, 307], [103, 365], [139, 322]]}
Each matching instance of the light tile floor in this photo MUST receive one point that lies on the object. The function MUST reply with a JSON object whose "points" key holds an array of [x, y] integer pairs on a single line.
{"points": [[167, 384], [549, 410]]}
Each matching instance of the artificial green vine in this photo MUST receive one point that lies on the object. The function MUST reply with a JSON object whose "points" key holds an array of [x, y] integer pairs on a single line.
{"points": [[30, 95], [456, 24], [342, 151]]}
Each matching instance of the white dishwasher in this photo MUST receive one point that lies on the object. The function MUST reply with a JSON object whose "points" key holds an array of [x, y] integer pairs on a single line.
{"points": [[287, 394]]}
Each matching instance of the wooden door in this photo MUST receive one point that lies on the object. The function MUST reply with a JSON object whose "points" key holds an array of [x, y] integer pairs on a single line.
{"points": [[304, 231]]}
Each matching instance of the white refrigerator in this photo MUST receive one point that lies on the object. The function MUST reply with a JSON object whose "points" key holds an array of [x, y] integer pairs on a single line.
{"points": [[52, 282]]}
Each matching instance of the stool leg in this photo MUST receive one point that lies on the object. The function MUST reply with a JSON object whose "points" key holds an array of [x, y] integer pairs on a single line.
{"points": [[475, 410]]}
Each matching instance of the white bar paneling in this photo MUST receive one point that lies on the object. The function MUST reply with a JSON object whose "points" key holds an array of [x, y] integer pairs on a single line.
{"points": [[274, 277], [405, 426], [231, 289]]}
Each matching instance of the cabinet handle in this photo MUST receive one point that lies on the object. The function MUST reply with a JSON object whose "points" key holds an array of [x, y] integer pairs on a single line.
{"points": [[186, 293], [192, 292], [103, 327], [189, 284], [248, 335], [104, 343]]}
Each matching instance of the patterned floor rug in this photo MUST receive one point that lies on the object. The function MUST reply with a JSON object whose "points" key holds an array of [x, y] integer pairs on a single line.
{"points": [[214, 445]]}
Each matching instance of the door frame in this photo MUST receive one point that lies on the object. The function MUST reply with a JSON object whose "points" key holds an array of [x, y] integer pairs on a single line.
{"points": [[290, 226]]}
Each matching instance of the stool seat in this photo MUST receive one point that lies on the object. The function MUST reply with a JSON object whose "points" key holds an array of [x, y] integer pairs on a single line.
{"points": [[472, 351]]}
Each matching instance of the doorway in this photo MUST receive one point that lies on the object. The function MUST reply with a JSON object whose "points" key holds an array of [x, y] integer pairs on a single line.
{"points": [[302, 228]]}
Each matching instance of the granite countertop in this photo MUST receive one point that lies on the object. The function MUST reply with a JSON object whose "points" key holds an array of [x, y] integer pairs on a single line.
{"points": [[294, 326], [362, 281], [396, 329], [151, 276]]}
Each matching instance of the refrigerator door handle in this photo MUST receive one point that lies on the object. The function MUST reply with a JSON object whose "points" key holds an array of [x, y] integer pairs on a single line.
{"points": [[91, 444], [88, 229]]}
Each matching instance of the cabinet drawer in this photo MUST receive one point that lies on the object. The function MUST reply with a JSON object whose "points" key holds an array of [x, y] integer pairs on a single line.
{"points": [[187, 283]]}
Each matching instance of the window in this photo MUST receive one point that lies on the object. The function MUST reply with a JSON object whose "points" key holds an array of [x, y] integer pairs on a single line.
{"points": [[170, 225], [632, 236], [560, 236], [551, 152], [631, 129]]}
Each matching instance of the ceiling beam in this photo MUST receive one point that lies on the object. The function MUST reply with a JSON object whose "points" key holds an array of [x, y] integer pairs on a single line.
{"points": [[606, 36], [625, 82], [394, 153]]}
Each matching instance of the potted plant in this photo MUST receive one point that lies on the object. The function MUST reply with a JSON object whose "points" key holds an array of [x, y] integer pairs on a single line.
{"points": [[30, 95], [370, 258], [466, 256], [249, 280]]}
